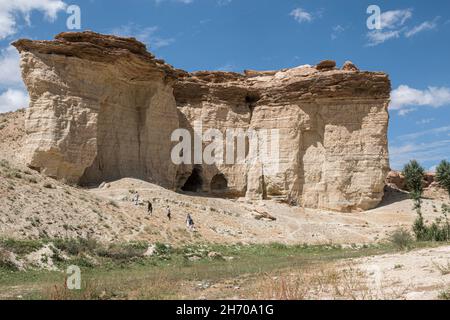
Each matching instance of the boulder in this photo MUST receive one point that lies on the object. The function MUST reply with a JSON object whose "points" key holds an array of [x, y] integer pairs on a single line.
{"points": [[326, 65]]}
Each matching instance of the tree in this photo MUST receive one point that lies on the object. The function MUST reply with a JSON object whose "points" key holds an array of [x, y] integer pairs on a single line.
{"points": [[414, 175], [443, 175]]}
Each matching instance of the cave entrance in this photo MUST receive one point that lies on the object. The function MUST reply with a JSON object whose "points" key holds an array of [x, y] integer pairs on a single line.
{"points": [[194, 183], [219, 183]]}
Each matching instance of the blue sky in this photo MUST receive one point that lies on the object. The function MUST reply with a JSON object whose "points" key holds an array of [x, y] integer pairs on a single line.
{"points": [[413, 46]]}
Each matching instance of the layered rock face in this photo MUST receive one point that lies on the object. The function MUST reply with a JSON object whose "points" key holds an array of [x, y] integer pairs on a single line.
{"points": [[332, 124], [103, 108]]}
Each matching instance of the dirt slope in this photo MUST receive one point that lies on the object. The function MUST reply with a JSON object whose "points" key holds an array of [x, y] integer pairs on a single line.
{"points": [[32, 206]]}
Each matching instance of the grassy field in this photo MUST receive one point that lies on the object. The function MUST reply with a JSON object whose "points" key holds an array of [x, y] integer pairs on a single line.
{"points": [[121, 271]]}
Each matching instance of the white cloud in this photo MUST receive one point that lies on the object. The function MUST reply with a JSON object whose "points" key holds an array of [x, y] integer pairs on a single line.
{"points": [[147, 35], [377, 37], [425, 121], [427, 25], [395, 18], [12, 100], [423, 152], [413, 147], [419, 134], [393, 26], [337, 30], [301, 15], [9, 67], [404, 112], [11, 9], [405, 96]]}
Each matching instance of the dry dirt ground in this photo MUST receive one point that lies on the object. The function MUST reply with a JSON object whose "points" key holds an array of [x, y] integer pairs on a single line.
{"points": [[416, 275], [33, 206]]}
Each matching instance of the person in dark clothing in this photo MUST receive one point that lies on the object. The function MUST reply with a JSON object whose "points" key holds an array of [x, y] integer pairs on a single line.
{"points": [[149, 207], [169, 214]]}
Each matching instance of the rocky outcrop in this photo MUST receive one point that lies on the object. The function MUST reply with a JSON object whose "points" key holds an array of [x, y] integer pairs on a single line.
{"points": [[397, 180], [102, 108]]}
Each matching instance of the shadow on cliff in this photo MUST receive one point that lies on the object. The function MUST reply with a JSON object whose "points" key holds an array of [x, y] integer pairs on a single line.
{"points": [[194, 180], [392, 196]]}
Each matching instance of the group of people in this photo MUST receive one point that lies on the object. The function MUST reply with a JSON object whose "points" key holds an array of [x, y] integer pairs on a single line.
{"points": [[190, 225]]}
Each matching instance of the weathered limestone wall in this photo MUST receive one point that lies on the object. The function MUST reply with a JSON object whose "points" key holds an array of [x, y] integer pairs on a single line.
{"points": [[98, 112], [333, 131], [103, 108]]}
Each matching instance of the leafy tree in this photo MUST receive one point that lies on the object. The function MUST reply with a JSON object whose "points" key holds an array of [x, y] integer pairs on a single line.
{"points": [[414, 175], [443, 175]]}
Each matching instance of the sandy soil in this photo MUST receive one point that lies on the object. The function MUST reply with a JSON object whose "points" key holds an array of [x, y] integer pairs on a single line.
{"points": [[416, 275]]}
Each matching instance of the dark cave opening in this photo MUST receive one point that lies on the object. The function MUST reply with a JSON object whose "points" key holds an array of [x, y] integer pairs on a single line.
{"points": [[194, 183], [219, 183]]}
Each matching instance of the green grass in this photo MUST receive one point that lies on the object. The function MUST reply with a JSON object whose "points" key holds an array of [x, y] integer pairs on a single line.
{"points": [[20, 247], [121, 271]]}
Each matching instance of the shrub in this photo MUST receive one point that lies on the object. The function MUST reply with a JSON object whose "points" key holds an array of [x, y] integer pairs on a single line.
{"points": [[5, 261], [21, 247], [420, 229], [48, 185], [4, 163], [123, 252], [76, 247], [401, 238], [437, 231], [445, 295], [114, 204], [443, 175]]}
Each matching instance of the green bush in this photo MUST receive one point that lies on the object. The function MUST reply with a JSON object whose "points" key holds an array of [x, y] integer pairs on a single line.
{"points": [[437, 231], [20, 247], [122, 252], [76, 247], [401, 238], [443, 175]]}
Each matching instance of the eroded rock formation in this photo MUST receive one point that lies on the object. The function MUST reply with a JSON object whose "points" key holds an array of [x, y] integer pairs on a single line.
{"points": [[103, 108]]}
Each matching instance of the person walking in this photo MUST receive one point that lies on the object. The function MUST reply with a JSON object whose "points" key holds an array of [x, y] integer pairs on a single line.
{"points": [[169, 214], [190, 223], [136, 199], [149, 208]]}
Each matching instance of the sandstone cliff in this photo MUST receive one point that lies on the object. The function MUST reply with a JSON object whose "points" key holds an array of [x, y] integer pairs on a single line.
{"points": [[103, 108]]}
